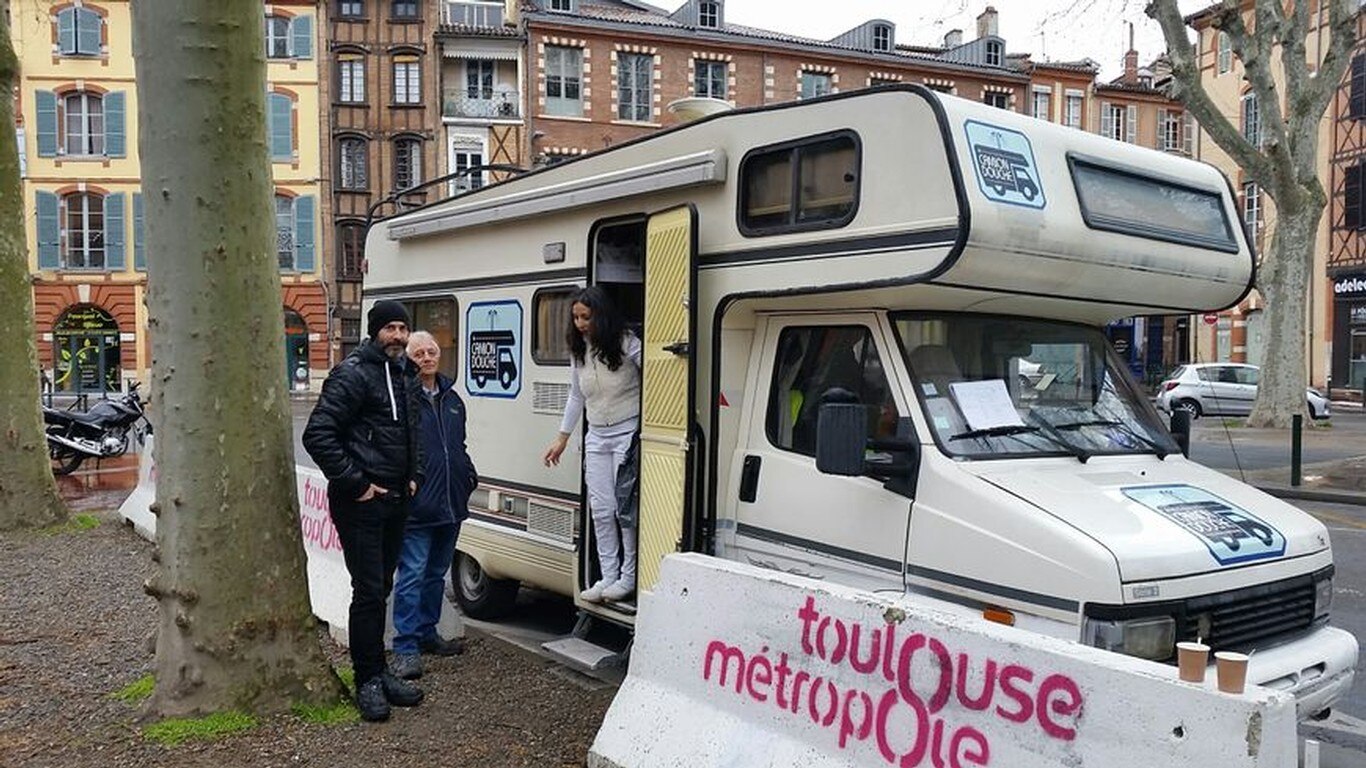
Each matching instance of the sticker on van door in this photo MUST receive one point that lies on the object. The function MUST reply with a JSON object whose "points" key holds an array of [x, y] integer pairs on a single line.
{"points": [[1232, 534], [493, 365], [1004, 159]]}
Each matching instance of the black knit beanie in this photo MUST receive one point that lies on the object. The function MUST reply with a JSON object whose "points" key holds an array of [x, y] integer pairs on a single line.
{"points": [[383, 313]]}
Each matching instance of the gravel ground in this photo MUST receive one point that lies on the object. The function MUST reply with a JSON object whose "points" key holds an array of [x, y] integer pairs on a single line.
{"points": [[75, 628]]}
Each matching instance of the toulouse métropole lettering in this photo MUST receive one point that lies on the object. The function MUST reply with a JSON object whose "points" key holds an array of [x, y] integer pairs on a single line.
{"points": [[906, 727]]}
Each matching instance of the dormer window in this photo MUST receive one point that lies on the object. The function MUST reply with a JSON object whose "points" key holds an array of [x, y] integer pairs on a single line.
{"points": [[882, 38], [564, 6], [709, 15], [995, 53]]}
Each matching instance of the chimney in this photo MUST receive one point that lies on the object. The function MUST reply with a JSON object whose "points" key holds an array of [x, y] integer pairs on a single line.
{"points": [[512, 13], [1131, 60], [987, 24], [954, 38]]}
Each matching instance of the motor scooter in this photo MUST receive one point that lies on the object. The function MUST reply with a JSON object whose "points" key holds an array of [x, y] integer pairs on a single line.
{"points": [[99, 433]]}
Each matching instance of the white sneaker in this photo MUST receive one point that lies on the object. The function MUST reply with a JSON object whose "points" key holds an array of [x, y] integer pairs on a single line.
{"points": [[594, 593], [620, 589]]}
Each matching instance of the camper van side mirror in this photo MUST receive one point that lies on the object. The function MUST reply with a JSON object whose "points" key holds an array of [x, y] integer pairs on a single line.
{"points": [[1181, 430], [841, 438]]}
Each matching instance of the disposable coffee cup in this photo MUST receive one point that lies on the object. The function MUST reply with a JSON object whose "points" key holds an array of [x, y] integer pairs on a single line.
{"points": [[1191, 659], [1232, 671]]}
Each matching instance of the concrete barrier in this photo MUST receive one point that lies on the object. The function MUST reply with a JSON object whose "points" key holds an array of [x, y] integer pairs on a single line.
{"points": [[738, 666], [329, 581]]}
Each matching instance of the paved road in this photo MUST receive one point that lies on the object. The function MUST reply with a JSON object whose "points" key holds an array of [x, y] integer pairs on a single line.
{"points": [[1220, 444]]}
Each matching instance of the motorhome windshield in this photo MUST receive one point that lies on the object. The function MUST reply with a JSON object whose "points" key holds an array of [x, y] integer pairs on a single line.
{"points": [[995, 386]]}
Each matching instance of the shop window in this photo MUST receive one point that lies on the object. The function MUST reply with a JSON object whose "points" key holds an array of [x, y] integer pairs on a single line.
{"points": [[811, 184], [86, 351], [438, 317], [296, 350], [550, 308]]}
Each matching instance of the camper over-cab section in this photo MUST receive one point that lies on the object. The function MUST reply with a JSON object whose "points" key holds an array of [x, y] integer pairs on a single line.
{"points": [[885, 187]]}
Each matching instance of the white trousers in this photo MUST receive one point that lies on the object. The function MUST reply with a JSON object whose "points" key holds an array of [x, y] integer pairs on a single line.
{"points": [[602, 455]]}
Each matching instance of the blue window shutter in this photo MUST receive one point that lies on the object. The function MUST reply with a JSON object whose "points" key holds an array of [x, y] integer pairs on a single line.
{"points": [[88, 31], [114, 237], [46, 102], [66, 31], [281, 123], [115, 144], [303, 233], [49, 231], [302, 31], [139, 246]]}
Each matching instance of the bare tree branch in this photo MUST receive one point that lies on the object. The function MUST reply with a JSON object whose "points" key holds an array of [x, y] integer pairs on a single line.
{"points": [[1254, 51]]}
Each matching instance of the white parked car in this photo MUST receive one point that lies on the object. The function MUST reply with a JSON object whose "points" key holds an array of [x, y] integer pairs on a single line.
{"points": [[1221, 389]]}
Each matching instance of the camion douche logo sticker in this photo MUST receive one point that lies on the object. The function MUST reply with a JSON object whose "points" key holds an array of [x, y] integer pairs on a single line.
{"points": [[1004, 160], [1232, 534], [493, 365]]}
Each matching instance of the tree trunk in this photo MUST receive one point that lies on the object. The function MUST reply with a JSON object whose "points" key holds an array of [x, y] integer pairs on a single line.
{"points": [[235, 628], [1283, 281], [28, 493]]}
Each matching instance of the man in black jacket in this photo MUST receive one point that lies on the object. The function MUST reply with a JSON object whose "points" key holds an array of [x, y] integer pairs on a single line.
{"points": [[363, 436]]}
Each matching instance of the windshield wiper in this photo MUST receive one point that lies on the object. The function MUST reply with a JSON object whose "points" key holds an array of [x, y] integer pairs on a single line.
{"points": [[1125, 428], [1016, 430]]}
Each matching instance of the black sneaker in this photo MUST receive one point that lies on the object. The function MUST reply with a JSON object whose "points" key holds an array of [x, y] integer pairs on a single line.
{"points": [[441, 647], [407, 666], [400, 692], [371, 700]]}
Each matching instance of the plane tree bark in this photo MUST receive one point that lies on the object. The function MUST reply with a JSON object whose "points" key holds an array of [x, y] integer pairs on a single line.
{"points": [[1268, 39], [235, 628], [28, 492]]}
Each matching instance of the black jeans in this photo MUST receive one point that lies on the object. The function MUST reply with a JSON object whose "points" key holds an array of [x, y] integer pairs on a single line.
{"points": [[371, 534]]}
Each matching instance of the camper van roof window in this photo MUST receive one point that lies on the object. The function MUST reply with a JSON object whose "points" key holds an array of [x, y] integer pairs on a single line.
{"points": [[811, 183], [1130, 203]]}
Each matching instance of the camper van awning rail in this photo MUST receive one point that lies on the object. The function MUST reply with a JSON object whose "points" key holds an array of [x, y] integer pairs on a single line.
{"points": [[707, 167]]}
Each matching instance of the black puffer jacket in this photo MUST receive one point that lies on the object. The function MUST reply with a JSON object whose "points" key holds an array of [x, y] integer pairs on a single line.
{"points": [[365, 430]]}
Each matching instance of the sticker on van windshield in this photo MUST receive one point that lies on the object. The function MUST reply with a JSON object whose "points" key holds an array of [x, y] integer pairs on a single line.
{"points": [[1232, 534], [1004, 160], [493, 363]]}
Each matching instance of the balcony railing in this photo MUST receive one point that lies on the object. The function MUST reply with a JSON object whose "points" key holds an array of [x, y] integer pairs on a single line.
{"points": [[486, 15], [492, 105]]}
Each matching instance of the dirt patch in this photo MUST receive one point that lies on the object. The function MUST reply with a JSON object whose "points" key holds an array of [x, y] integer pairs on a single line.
{"points": [[74, 630]]}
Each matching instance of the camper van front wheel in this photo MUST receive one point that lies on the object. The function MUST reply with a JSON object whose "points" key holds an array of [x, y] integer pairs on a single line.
{"points": [[479, 596]]}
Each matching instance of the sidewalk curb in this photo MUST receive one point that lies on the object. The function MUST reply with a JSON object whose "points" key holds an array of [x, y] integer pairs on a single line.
{"points": [[1312, 494], [1336, 730]]}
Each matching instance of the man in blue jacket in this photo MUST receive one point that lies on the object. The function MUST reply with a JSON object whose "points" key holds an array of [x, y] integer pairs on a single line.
{"points": [[434, 517]]}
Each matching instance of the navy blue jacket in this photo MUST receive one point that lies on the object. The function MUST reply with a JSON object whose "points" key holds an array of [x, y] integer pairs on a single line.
{"points": [[443, 497]]}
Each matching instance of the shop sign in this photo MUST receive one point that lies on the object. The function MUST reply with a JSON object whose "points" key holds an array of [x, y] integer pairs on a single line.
{"points": [[1350, 285]]}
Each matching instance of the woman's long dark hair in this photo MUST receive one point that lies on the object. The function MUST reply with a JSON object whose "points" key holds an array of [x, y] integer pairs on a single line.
{"points": [[608, 325]]}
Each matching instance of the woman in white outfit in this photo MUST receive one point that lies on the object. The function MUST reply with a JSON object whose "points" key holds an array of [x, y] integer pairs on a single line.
{"points": [[604, 380]]}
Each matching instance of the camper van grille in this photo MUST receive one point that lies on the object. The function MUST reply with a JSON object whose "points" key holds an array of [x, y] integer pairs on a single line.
{"points": [[550, 521], [548, 397], [1243, 618]]}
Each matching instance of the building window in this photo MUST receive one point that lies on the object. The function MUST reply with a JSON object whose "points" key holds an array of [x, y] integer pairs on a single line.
{"points": [[1252, 120], [939, 88], [404, 9], [810, 184], [280, 127], [438, 317], [634, 88], [84, 124], [79, 32], [1357, 100], [710, 79], [995, 53], [882, 38], [550, 307], [277, 37], [1043, 105], [1252, 208], [708, 15], [407, 79], [83, 246], [479, 79], [351, 8], [407, 163], [1174, 131], [350, 250], [563, 81], [352, 159], [815, 84], [86, 351], [1117, 121], [462, 160], [998, 99], [284, 231], [566, 6], [1352, 215], [350, 78], [1072, 113], [874, 82], [1225, 57]]}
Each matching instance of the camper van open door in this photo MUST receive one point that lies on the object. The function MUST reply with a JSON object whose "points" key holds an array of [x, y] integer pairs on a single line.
{"points": [[667, 387]]}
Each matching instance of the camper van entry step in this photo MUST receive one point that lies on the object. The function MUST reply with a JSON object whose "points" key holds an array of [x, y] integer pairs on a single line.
{"points": [[579, 654]]}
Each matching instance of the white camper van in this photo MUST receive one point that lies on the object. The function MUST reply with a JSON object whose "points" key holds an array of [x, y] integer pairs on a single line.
{"points": [[873, 355]]}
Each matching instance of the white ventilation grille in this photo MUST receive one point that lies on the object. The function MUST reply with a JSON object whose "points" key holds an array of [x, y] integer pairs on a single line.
{"points": [[548, 397], [554, 522]]}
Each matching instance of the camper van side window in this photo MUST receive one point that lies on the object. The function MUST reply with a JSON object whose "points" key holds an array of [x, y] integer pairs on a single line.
{"points": [[438, 317], [550, 307], [1129, 203], [809, 184]]}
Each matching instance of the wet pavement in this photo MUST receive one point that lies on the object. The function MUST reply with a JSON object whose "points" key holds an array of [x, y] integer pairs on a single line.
{"points": [[99, 485]]}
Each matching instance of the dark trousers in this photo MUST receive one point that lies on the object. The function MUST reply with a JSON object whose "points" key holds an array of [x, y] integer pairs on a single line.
{"points": [[371, 534]]}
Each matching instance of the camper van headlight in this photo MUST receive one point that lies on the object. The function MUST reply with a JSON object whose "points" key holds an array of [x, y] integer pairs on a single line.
{"points": [[1323, 597], [1149, 637]]}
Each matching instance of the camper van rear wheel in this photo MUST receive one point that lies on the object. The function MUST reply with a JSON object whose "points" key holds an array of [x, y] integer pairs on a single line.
{"points": [[479, 596]]}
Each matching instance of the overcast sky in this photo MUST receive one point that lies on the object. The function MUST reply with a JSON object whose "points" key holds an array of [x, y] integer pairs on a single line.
{"points": [[1043, 28]]}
